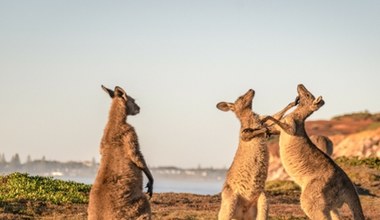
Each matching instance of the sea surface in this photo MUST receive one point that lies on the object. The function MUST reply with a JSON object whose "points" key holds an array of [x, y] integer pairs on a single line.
{"points": [[205, 186]]}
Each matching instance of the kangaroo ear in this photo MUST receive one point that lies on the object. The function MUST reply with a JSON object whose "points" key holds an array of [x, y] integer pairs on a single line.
{"points": [[109, 91], [120, 93], [318, 101], [225, 106]]}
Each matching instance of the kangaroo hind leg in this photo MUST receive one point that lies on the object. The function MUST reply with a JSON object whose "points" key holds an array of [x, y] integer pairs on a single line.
{"points": [[335, 214], [262, 207], [313, 204], [229, 205]]}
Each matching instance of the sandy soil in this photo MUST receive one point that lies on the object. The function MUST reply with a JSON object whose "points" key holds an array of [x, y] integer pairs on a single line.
{"points": [[183, 206]]}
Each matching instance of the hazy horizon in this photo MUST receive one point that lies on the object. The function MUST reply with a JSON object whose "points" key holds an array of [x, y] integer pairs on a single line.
{"points": [[178, 59]]}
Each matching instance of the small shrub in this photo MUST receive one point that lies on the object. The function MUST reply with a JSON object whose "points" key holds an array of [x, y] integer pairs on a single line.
{"points": [[19, 186], [281, 187], [373, 126], [371, 162], [356, 116]]}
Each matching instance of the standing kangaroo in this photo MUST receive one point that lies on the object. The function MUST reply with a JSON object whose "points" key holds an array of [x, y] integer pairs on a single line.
{"points": [[243, 195], [323, 143], [117, 191], [325, 186]]}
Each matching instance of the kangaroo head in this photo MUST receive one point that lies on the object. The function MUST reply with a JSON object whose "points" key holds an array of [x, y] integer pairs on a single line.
{"points": [[242, 107], [307, 102], [121, 96]]}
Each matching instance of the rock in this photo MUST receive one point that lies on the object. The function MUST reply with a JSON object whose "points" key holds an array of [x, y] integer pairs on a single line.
{"points": [[361, 144]]}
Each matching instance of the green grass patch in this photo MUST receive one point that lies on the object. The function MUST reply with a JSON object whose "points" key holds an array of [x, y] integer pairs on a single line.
{"points": [[359, 116], [355, 116], [373, 126], [19, 187], [281, 187], [371, 162]]}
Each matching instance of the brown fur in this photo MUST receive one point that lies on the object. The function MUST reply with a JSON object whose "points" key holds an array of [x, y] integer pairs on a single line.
{"points": [[117, 190], [325, 186], [323, 143], [243, 195]]}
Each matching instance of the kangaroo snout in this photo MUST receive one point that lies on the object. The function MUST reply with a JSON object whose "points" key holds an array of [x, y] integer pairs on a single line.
{"points": [[137, 110], [301, 87], [251, 92]]}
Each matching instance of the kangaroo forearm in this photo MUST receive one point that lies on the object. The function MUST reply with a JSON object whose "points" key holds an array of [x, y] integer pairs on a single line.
{"points": [[135, 154], [149, 185], [273, 129], [281, 113], [249, 133], [140, 162], [287, 128], [148, 174], [137, 158], [278, 116]]}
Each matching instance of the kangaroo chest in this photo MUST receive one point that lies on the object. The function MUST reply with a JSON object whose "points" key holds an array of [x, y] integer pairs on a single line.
{"points": [[250, 162], [295, 155]]}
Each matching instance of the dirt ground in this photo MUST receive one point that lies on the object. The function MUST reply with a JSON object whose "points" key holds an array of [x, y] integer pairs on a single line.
{"points": [[284, 202], [182, 206]]}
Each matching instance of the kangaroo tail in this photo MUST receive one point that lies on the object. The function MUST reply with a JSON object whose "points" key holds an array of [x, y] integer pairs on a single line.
{"points": [[353, 202], [262, 207]]}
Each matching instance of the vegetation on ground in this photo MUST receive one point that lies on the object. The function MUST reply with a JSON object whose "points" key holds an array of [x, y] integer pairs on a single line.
{"points": [[277, 187], [359, 116], [33, 197], [371, 162], [373, 126], [19, 186]]}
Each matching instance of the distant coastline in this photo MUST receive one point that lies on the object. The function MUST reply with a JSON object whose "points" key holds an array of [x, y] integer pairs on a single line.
{"points": [[204, 181]]}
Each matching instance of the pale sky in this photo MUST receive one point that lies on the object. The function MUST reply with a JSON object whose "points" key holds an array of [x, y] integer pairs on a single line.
{"points": [[178, 59]]}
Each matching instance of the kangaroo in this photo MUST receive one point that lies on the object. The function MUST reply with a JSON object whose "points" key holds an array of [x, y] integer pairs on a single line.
{"points": [[117, 190], [243, 195], [325, 186], [323, 143]]}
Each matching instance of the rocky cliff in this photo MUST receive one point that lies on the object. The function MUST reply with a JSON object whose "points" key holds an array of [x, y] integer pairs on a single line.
{"points": [[356, 134]]}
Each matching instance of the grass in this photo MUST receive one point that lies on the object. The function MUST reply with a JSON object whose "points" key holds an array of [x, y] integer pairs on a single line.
{"points": [[281, 187], [20, 187], [371, 162], [359, 116], [355, 115], [373, 126]]}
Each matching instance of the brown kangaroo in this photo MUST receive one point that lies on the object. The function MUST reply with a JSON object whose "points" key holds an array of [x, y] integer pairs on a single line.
{"points": [[243, 195], [117, 190], [323, 143], [325, 186]]}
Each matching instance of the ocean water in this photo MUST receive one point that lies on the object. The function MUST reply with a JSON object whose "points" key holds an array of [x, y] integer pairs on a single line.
{"points": [[206, 186]]}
